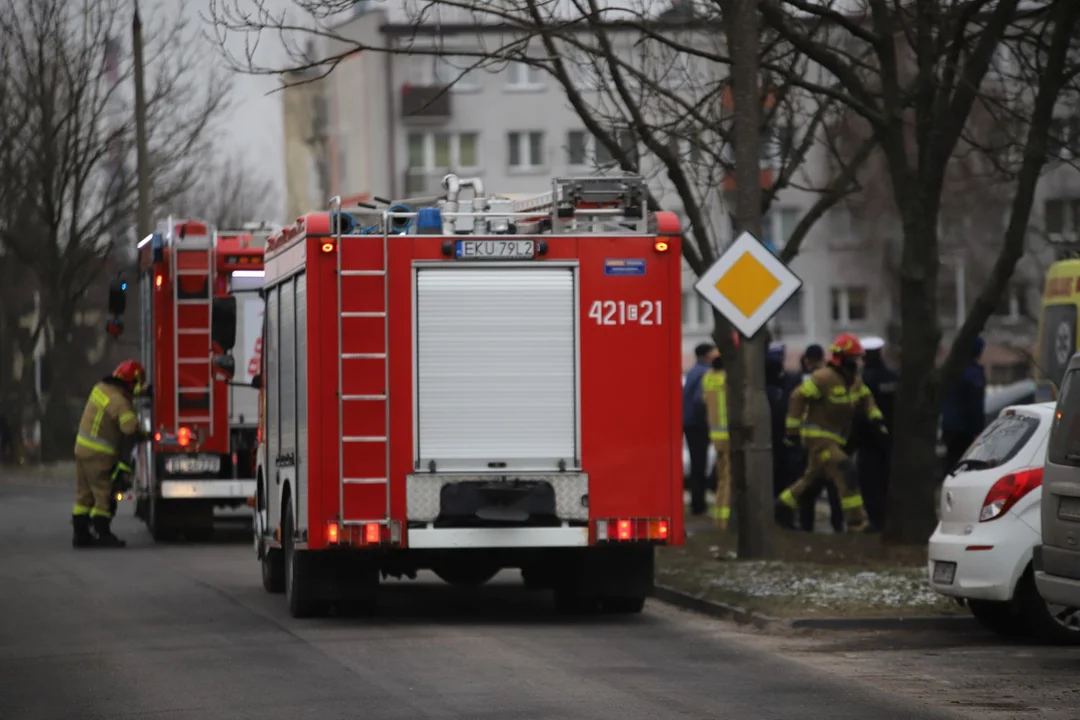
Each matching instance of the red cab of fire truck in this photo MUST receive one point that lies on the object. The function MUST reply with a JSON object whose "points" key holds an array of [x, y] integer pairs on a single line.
{"points": [[467, 386], [194, 283]]}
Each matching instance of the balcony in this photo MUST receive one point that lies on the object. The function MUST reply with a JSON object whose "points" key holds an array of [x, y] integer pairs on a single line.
{"points": [[425, 102]]}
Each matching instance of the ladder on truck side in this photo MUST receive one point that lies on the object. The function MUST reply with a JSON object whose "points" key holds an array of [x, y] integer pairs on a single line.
{"points": [[354, 278], [192, 257]]}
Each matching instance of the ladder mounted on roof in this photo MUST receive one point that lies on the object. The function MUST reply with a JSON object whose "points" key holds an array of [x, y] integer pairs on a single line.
{"points": [[191, 275]]}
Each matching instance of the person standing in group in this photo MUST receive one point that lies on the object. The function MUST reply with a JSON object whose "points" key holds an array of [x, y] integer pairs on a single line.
{"points": [[715, 391], [963, 414], [696, 425], [874, 457], [821, 413], [777, 393], [813, 360]]}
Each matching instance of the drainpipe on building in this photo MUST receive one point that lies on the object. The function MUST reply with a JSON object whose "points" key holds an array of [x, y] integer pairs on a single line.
{"points": [[391, 107]]}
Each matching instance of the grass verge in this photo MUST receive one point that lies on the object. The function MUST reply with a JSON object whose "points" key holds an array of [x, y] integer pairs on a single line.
{"points": [[813, 575]]}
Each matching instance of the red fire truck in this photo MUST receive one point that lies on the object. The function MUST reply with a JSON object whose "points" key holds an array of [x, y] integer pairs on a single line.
{"points": [[194, 284], [468, 385]]}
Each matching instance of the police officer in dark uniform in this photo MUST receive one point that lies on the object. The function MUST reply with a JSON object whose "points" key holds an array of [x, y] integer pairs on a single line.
{"points": [[875, 452]]}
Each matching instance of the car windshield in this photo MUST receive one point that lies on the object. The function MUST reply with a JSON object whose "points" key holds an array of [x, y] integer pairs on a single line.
{"points": [[999, 442]]}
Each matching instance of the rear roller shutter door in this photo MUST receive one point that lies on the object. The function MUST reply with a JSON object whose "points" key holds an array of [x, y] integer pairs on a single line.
{"points": [[496, 368]]}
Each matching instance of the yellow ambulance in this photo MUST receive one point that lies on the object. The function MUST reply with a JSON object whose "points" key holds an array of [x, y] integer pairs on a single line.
{"points": [[1057, 326]]}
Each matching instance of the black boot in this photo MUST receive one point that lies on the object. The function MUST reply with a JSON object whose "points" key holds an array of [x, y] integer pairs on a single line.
{"points": [[105, 537], [82, 536]]}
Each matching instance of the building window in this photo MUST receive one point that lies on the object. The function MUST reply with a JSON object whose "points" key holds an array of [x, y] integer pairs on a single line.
{"points": [[849, 305], [789, 318], [576, 148], [1063, 138], [526, 150], [627, 141], [777, 226], [443, 151], [522, 76], [1062, 217]]}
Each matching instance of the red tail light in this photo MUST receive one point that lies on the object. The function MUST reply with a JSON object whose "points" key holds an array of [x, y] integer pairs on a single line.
{"points": [[372, 534], [1008, 491], [183, 437]]}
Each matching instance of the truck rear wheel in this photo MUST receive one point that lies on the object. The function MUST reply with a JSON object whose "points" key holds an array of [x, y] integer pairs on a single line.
{"points": [[273, 571], [158, 520], [623, 605], [300, 588]]}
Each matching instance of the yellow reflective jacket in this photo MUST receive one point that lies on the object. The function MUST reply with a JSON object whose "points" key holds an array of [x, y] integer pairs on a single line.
{"points": [[714, 385], [108, 417], [824, 406]]}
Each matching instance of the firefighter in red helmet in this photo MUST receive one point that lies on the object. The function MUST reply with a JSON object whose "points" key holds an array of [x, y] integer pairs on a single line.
{"points": [[820, 414], [108, 424]]}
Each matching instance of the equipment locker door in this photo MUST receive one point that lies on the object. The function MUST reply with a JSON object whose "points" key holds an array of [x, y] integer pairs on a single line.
{"points": [[496, 368]]}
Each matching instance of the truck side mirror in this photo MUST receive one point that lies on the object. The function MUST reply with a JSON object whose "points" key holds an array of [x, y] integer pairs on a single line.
{"points": [[226, 364], [117, 304], [224, 322], [256, 381]]}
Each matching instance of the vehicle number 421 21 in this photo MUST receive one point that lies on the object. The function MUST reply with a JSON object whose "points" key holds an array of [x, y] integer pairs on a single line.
{"points": [[619, 312]]}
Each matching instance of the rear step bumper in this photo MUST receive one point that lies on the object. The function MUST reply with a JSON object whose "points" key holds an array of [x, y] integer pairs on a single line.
{"points": [[543, 537], [210, 489]]}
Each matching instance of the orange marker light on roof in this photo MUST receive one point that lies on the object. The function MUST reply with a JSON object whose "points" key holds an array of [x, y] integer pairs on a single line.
{"points": [[158, 280], [660, 246]]}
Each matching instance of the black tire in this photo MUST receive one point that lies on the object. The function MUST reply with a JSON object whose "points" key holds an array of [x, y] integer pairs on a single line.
{"points": [[273, 571], [299, 588], [572, 602], [623, 605], [465, 575], [158, 520], [1051, 624], [998, 617]]}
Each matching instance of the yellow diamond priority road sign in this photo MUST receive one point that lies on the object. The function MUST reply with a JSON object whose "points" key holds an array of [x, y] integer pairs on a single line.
{"points": [[748, 284]]}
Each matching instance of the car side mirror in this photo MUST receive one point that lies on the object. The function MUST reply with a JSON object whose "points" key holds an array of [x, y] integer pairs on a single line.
{"points": [[224, 322]]}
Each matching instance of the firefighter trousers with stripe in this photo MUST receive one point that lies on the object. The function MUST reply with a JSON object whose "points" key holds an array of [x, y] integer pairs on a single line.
{"points": [[825, 457], [93, 485], [722, 508]]}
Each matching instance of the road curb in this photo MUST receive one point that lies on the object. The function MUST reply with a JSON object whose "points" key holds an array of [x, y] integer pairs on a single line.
{"points": [[741, 616]]}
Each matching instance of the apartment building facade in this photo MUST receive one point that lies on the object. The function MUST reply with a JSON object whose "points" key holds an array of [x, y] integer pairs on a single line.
{"points": [[395, 123]]}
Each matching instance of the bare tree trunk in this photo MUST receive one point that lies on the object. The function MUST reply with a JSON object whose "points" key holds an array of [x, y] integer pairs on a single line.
{"points": [[911, 517], [751, 451]]}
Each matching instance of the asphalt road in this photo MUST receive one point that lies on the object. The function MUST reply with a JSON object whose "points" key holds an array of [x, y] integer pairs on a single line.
{"points": [[187, 632]]}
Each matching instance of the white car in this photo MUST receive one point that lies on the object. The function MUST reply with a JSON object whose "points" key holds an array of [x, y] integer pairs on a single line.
{"points": [[981, 551]]}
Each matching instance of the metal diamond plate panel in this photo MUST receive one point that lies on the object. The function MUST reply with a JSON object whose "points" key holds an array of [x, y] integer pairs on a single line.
{"points": [[423, 492]]}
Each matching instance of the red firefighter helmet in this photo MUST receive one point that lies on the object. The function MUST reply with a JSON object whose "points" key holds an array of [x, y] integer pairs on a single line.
{"points": [[845, 346], [132, 373]]}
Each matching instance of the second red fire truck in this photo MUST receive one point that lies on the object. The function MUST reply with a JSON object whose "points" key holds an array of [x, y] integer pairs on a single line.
{"points": [[200, 319], [468, 385]]}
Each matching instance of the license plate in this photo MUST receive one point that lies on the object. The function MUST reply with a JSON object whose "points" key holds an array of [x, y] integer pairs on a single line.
{"points": [[1069, 509], [195, 464], [944, 572], [495, 250]]}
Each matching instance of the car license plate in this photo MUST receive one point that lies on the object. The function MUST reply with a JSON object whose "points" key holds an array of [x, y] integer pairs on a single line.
{"points": [[1069, 509], [944, 572], [193, 464], [495, 250]]}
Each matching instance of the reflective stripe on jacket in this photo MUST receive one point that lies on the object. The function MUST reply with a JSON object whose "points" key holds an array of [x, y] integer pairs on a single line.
{"points": [[824, 406], [106, 419], [715, 386]]}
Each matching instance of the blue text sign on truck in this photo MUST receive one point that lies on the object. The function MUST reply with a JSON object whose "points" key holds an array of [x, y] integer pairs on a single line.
{"points": [[624, 267]]}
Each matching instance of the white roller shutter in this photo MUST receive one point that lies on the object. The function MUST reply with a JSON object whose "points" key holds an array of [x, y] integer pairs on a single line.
{"points": [[496, 368]]}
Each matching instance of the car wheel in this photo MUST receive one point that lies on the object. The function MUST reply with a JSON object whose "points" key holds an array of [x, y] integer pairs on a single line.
{"points": [[998, 617], [1052, 624]]}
